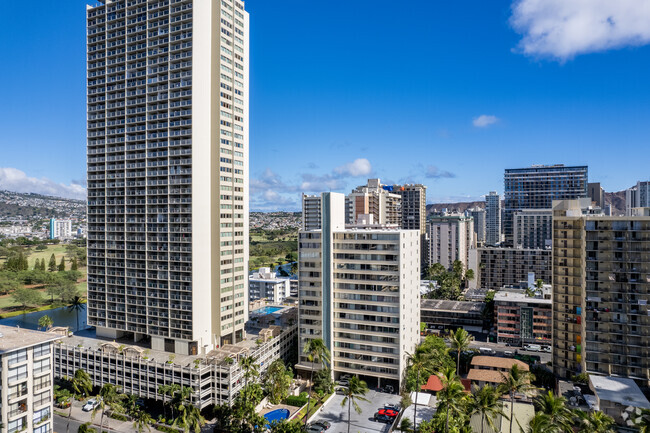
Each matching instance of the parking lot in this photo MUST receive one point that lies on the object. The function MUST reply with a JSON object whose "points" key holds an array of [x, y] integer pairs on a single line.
{"points": [[363, 422]]}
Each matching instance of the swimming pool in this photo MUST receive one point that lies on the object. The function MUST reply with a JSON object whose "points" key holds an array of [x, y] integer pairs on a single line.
{"points": [[265, 310], [276, 415]]}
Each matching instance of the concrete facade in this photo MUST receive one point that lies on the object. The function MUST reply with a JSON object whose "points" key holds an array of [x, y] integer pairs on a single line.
{"points": [[492, 219], [449, 238], [359, 292], [264, 284], [499, 267], [167, 144]]}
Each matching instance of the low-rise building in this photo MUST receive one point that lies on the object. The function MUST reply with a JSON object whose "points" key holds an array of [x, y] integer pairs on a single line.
{"points": [[492, 369], [265, 284], [521, 318], [215, 377], [439, 314], [26, 380], [617, 397]]}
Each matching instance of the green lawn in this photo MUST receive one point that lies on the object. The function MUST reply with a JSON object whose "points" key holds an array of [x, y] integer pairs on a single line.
{"points": [[58, 250]]}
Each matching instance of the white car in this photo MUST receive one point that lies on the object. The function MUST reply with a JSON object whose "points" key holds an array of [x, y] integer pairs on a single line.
{"points": [[90, 405], [533, 347]]}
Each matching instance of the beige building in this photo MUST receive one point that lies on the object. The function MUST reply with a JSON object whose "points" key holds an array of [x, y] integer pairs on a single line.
{"points": [[359, 292], [373, 199], [533, 228], [167, 145], [601, 284], [414, 206], [450, 238], [311, 212], [26, 388]]}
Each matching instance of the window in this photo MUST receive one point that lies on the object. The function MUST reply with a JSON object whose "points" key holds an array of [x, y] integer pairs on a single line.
{"points": [[18, 356], [16, 425], [41, 350], [42, 365], [17, 373], [41, 415]]}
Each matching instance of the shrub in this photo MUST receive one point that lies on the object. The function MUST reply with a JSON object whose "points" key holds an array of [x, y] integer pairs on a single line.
{"points": [[297, 401]]}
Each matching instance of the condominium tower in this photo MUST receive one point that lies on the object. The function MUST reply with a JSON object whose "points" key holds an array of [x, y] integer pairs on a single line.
{"points": [[536, 187], [637, 196], [449, 238], [374, 199], [414, 206], [478, 215], [601, 288], [359, 292], [167, 100], [492, 219]]}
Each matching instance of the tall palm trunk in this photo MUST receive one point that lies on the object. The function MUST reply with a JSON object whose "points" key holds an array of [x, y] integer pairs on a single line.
{"points": [[311, 381], [67, 427], [415, 408], [349, 404], [101, 421], [482, 421], [512, 408], [458, 363]]}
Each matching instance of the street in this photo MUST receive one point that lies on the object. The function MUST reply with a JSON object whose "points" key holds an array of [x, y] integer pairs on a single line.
{"points": [[61, 423], [499, 348]]}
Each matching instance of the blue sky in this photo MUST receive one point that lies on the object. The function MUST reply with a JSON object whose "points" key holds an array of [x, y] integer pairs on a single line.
{"points": [[448, 94]]}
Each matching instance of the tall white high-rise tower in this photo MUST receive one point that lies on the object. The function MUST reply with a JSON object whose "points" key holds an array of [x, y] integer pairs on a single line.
{"points": [[167, 87]]}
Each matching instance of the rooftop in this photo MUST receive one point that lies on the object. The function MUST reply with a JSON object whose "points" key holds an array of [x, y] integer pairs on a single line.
{"points": [[519, 296], [14, 338], [491, 376], [498, 362], [618, 390], [454, 306], [433, 384]]}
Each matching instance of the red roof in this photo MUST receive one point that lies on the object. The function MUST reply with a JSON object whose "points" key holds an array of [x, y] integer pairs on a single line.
{"points": [[433, 384]]}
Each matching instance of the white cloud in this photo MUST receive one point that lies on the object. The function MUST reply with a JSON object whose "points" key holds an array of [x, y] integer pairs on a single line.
{"points": [[433, 172], [356, 168], [12, 179], [563, 29], [484, 120]]}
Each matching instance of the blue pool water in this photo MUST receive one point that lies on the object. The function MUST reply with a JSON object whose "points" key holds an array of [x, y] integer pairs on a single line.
{"points": [[265, 310], [276, 415]]}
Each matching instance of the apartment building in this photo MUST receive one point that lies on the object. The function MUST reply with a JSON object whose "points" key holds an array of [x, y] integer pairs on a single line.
{"points": [[478, 215], [374, 199], [413, 206], [601, 289], [499, 267], [359, 292], [265, 284], [523, 319], [440, 314], [536, 187], [311, 212], [60, 229], [449, 238], [167, 145], [637, 196], [597, 194], [492, 219], [26, 388], [533, 228]]}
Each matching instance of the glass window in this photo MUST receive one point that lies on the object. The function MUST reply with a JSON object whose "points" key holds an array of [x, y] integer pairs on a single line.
{"points": [[18, 356]]}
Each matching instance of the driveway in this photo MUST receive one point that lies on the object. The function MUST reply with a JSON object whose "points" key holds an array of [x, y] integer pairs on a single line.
{"points": [[363, 422]]}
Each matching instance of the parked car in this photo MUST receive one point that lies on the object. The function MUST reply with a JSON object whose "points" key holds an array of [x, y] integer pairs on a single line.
{"points": [[546, 349], [487, 351], [340, 390], [508, 354], [394, 407], [315, 429], [533, 347], [324, 424], [389, 389], [383, 418], [388, 412], [90, 405]]}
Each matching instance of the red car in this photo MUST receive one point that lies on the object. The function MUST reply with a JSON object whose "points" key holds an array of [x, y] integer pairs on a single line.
{"points": [[388, 412]]}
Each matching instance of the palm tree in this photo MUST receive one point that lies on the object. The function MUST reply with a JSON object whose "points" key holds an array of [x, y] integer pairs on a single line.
{"points": [[141, 419], [418, 360], [45, 322], [517, 380], [189, 416], [352, 393], [598, 422], [77, 305], [452, 395], [82, 386], [316, 351], [108, 397], [251, 369], [540, 423], [642, 421], [459, 341], [164, 390], [555, 408], [486, 401]]}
